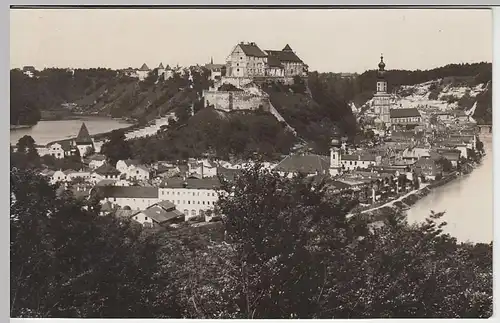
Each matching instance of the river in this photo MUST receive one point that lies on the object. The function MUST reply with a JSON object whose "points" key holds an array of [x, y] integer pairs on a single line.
{"points": [[467, 202], [46, 131]]}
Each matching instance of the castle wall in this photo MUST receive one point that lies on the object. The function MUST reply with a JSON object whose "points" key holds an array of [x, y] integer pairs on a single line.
{"points": [[235, 100]]}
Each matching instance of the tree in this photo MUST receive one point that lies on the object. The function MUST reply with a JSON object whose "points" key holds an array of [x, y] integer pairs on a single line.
{"points": [[273, 225], [70, 262], [117, 148], [25, 143]]}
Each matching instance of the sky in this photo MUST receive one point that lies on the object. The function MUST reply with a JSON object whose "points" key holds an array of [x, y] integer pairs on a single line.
{"points": [[337, 40]]}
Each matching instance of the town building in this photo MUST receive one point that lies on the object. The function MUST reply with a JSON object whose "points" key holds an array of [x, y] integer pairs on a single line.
{"points": [[29, 71], [358, 161], [106, 171], [61, 149], [84, 142], [138, 173], [309, 165], [216, 70], [194, 197], [143, 72], [429, 168], [382, 99], [95, 161], [133, 197], [202, 169], [161, 69], [160, 214], [405, 117], [124, 165]]}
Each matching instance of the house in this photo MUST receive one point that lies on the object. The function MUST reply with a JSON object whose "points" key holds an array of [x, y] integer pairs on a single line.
{"points": [[194, 197], [106, 171], [309, 165], [143, 72], [58, 176], [159, 215], [411, 154], [123, 165], [138, 173], [216, 70], [405, 136], [61, 149], [203, 168], [453, 155], [96, 161], [444, 116], [405, 116], [248, 60], [362, 161], [429, 168], [78, 175], [134, 197], [84, 142], [161, 69], [29, 71]]}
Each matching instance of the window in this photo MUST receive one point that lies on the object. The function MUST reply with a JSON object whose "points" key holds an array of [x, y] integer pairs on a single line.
{"points": [[194, 194], [186, 212], [178, 202], [193, 212], [198, 202], [189, 202], [237, 70], [145, 218], [203, 202]]}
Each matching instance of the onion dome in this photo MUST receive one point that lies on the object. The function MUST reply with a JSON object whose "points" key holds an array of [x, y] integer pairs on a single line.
{"points": [[381, 65]]}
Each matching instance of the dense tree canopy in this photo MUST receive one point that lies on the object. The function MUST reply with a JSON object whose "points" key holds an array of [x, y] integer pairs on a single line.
{"points": [[285, 249]]}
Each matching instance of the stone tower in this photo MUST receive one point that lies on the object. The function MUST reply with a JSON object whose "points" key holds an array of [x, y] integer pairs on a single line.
{"points": [[382, 99], [335, 155]]}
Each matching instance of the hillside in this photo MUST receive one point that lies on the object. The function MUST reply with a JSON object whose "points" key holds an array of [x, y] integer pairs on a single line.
{"points": [[452, 79], [101, 92], [219, 134]]}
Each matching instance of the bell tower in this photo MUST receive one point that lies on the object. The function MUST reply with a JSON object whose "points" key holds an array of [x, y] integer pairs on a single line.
{"points": [[335, 156], [381, 99]]}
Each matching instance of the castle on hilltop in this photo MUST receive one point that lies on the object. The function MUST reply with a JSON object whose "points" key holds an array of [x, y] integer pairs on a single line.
{"points": [[248, 60], [235, 82]]}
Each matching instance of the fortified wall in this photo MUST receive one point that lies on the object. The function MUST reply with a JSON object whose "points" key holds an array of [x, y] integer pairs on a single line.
{"points": [[235, 100]]}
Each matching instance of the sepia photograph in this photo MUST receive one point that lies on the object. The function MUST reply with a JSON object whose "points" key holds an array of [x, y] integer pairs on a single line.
{"points": [[253, 163]]}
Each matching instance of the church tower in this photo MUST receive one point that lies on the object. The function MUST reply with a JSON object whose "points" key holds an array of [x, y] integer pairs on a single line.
{"points": [[335, 156], [381, 99]]}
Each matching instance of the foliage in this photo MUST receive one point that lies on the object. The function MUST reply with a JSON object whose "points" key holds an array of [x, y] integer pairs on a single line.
{"points": [[117, 148], [285, 249], [222, 135], [67, 261]]}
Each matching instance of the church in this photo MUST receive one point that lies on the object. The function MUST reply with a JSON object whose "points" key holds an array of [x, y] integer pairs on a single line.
{"points": [[382, 99]]}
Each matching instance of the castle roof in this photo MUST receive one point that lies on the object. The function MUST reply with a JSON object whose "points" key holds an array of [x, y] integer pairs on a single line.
{"points": [[251, 49], [83, 136], [287, 47], [161, 66], [274, 61], [144, 67], [284, 55]]}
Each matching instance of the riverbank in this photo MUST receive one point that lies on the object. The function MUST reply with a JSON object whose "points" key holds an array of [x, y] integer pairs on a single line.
{"points": [[404, 202], [20, 126]]}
